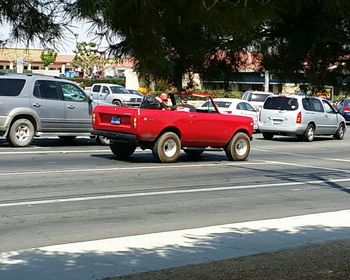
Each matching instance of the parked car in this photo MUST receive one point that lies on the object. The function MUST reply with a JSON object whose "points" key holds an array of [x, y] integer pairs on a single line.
{"points": [[303, 116], [256, 98], [235, 107], [114, 94], [134, 91], [31, 105], [343, 107]]}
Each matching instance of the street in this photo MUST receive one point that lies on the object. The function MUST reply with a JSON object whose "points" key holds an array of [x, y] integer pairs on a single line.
{"points": [[54, 194]]}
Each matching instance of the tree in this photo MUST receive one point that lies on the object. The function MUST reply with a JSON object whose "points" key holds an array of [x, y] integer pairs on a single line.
{"points": [[48, 56], [31, 20], [86, 57], [170, 38]]}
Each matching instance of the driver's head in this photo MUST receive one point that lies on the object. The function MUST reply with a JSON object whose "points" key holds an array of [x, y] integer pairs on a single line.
{"points": [[164, 97]]}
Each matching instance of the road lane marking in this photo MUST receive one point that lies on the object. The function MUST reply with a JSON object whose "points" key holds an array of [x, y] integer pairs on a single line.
{"points": [[308, 166], [55, 152], [164, 166], [299, 155], [154, 193]]}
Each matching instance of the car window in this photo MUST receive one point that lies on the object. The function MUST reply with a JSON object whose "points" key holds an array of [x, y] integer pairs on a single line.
{"points": [[105, 89], [241, 106], [249, 107], [207, 106], [118, 90], [259, 97], [281, 103], [223, 104], [312, 104], [72, 93], [328, 107], [47, 90], [11, 87], [96, 88]]}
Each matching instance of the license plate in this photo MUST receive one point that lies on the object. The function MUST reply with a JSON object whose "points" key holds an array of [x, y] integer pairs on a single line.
{"points": [[115, 120], [277, 122]]}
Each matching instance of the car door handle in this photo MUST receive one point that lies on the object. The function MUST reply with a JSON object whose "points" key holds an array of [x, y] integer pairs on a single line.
{"points": [[36, 104], [70, 107]]}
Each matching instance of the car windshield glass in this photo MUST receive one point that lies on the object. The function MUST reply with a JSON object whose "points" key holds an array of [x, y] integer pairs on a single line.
{"points": [[118, 90], [259, 97], [223, 104], [281, 103]]}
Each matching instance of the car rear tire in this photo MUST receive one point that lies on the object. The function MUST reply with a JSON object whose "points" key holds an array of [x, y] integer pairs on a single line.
{"points": [[339, 135], [167, 148], [239, 147], [122, 149], [267, 135], [101, 140], [309, 134], [21, 133]]}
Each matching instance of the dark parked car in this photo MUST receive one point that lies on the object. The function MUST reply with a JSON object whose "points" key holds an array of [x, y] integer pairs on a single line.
{"points": [[343, 107]]}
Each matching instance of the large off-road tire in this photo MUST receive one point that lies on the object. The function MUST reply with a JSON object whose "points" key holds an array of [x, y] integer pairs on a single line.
{"points": [[101, 140], [267, 135], [239, 147], [167, 148], [122, 149], [21, 133], [309, 133], [340, 132], [194, 153], [67, 139]]}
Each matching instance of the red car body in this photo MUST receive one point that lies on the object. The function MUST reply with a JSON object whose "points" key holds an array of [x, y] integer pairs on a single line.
{"points": [[143, 127]]}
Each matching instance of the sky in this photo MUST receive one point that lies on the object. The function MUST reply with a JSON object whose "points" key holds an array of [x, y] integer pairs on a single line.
{"points": [[82, 29]]}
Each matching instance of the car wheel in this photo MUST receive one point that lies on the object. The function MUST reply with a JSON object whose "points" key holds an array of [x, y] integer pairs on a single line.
{"points": [[122, 149], [194, 153], [67, 139], [267, 135], [340, 132], [101, 140], [239, 147], [117, 103], [21, 133], [167, 148], [309, 134]]}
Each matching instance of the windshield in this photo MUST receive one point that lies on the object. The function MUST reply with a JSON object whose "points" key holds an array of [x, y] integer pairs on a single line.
{"points": [[259, 97], [118, 90], [281, 103]]}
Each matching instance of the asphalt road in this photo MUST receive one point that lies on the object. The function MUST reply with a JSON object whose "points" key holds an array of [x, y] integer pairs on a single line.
{"points": [[53, 194]]}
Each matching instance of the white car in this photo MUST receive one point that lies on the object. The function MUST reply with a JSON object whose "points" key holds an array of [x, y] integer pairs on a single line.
{"points": [[256, 98], [234, 106]]}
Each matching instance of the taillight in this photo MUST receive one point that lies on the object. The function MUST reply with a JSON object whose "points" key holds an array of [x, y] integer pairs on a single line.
{"points": [[135, 122], [93, 118], [346, 109], [298, 120]]}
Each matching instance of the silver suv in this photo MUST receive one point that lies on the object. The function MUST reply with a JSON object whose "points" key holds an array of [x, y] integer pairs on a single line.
{"points": [[31, 105], [303, 116]]}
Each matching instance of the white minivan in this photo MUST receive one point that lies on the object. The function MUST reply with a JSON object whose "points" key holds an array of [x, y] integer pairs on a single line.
{"points": [[300, 115]]}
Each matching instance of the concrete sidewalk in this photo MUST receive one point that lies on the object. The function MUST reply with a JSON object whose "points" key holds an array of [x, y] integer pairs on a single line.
{"points": [[156, 251]]}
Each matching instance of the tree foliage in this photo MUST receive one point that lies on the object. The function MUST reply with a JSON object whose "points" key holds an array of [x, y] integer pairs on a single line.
{"points": [[48, 56], [86, 56], [31, 20]]}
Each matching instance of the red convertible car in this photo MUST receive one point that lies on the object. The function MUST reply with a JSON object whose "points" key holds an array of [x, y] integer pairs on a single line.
{"points": [[166, 132]]}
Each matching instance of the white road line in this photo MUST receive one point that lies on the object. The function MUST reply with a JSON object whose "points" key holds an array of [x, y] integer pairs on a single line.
{"points": [[164, 166], [299, 155], [308, 166], [143, 194], [55, 152]]}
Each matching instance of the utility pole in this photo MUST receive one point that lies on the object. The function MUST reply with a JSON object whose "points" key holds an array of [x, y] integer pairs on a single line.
{"points": [[267, 80]]}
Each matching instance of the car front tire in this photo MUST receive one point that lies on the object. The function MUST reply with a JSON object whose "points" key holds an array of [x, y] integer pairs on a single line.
{"points": [[239, 147], [339, 135]]}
